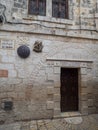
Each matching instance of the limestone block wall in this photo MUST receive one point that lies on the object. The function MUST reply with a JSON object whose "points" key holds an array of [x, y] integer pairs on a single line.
{"points": [[33, 84], [82, 20]]}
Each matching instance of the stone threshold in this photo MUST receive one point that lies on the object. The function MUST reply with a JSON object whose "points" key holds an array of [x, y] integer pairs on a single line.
{"points": [[69, 114]]}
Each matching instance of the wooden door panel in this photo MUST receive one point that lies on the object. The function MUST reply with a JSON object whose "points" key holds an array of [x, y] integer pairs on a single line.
{"points": [[69, 89]]}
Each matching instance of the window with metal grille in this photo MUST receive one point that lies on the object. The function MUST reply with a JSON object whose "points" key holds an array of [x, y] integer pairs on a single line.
{"points": [[37, 7], [60, 8]]}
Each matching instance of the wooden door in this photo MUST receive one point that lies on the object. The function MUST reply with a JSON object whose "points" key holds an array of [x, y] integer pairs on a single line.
{"points": [[69, 89]]}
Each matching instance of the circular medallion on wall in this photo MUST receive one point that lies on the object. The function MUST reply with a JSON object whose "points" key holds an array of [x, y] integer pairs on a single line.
{"points": [[23, 51]]}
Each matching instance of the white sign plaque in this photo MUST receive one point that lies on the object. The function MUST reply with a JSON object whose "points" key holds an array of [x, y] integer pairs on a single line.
{"points": [[7, 44]]}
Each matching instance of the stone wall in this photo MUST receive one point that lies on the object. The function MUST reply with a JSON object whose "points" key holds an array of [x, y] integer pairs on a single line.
{"points": [[33, 84], [82, 20]]}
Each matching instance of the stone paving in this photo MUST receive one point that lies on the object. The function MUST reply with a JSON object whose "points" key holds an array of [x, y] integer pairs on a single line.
{"points": [[70, 123]]}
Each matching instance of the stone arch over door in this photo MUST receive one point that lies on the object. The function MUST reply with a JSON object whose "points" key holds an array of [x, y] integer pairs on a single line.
{"points": [[85, 84]]}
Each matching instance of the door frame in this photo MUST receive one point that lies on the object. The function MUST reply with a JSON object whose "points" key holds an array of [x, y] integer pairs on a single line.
{"points": [[84, 67]]}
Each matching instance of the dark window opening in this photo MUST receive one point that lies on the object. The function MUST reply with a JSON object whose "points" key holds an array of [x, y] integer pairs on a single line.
{"points": [[60, 8], [37, 7]]}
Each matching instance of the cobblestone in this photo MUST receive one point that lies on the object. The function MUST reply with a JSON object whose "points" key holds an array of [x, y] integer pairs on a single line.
{"points": [[87, 123]]}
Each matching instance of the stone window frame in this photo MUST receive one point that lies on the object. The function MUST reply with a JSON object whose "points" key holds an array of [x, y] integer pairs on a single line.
{"points": [[57, 9], [50, 18], [37, 8]]}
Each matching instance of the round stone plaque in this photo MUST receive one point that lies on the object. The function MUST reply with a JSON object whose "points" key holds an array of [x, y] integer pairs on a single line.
{"points": [[23, 51]]}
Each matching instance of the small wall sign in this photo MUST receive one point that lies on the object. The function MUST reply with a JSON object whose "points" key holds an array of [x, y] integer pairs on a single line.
{"points": [[7, 44]]}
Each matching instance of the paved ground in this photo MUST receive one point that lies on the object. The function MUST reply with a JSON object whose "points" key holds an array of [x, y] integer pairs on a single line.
{"points": [[71, 123]]}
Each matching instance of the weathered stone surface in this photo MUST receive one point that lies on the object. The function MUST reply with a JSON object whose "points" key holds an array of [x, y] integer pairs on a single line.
{"points": [[33, 84], [50, 90], [50, 105]]}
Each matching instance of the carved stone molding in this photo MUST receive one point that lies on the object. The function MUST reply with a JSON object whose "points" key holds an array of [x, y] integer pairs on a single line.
{"points": [[38, 46], [2, 14]]}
